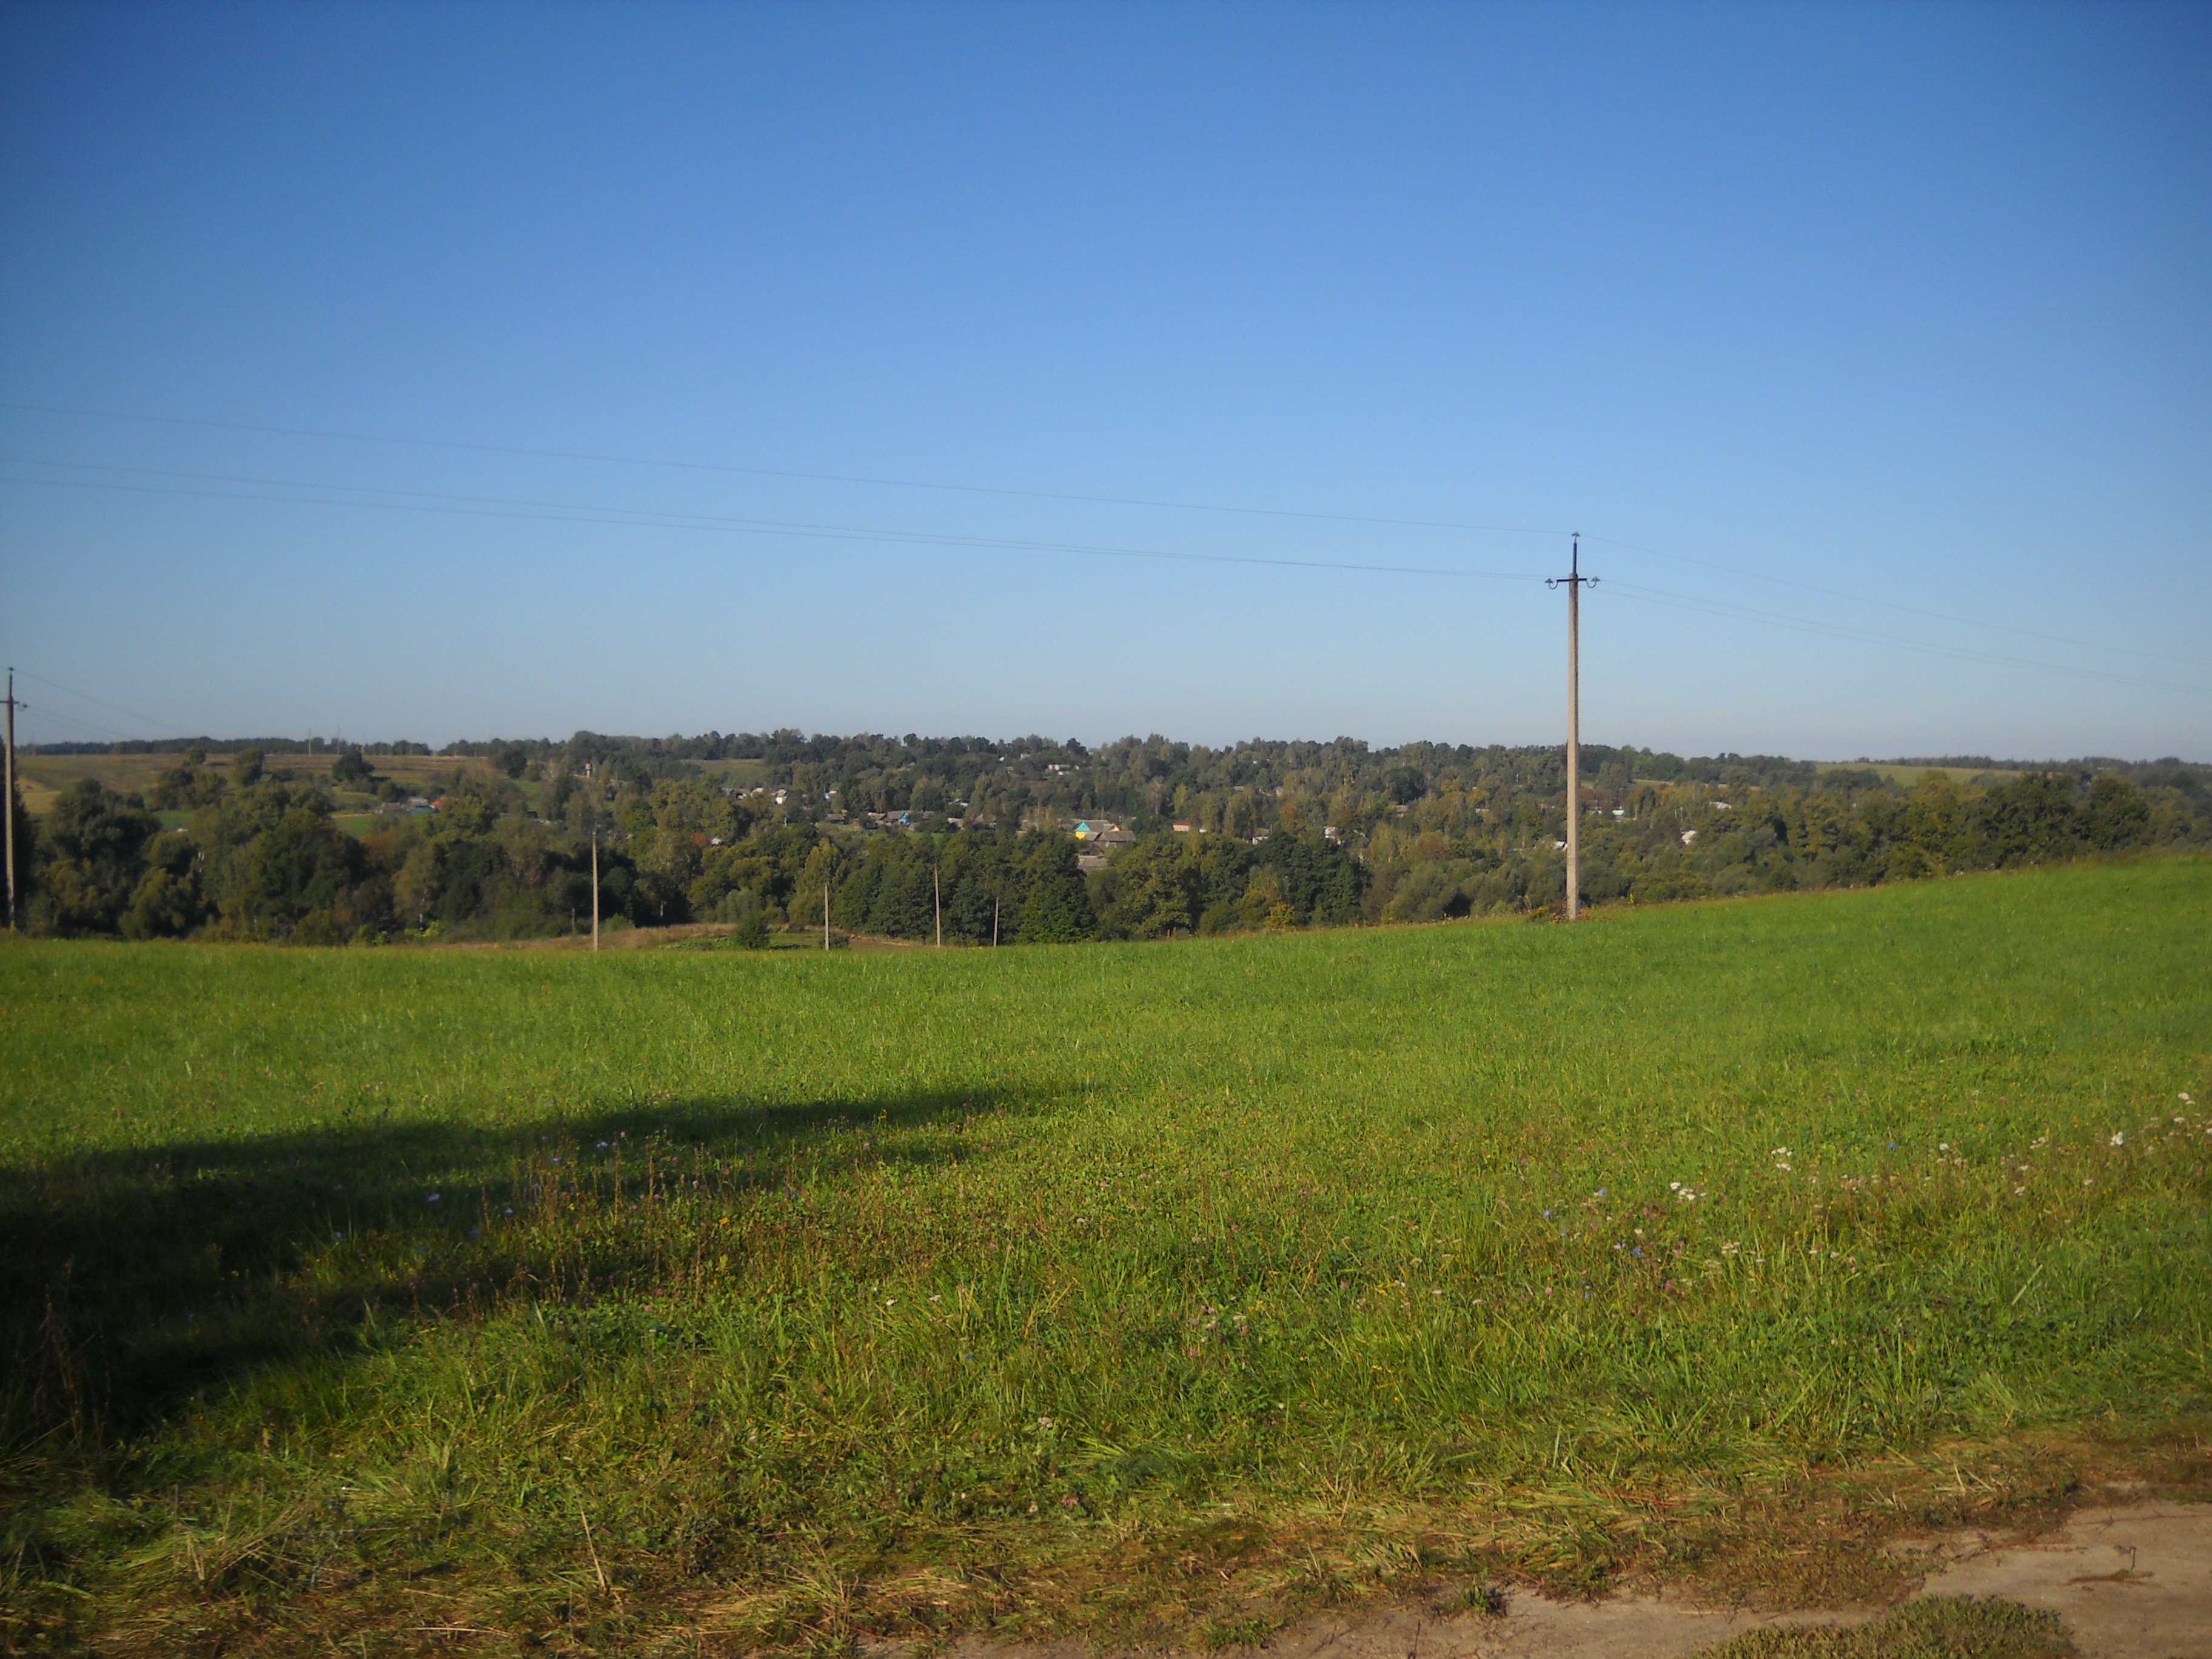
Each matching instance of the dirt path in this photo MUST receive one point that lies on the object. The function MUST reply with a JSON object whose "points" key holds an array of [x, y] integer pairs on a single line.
{"points": [[2131, 1583], [2134, 1583]]}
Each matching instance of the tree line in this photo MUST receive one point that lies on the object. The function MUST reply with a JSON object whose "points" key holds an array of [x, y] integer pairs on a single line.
{"points": [[754, 831]]}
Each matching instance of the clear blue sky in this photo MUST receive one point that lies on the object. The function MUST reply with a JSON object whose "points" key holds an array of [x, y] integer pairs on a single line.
{"points": [[1911, 304]]}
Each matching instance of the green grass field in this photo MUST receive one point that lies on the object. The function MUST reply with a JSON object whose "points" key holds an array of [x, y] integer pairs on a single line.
{"points": [[387, 1301]]}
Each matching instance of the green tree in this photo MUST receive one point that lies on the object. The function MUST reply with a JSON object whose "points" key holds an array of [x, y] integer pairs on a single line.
{"points": [[1055, 902], [168, 902], [2115, 815], [823, 870], [93, 850]]}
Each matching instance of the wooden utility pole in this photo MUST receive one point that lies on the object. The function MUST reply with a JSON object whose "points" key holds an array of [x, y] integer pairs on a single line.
{"points": [[1574, 581], [825, 910], [937, 895], [10, 794], [595, 878]]}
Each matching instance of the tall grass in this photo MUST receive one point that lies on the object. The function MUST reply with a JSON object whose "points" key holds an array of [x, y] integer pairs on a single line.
{"points": [[776, 1296]]}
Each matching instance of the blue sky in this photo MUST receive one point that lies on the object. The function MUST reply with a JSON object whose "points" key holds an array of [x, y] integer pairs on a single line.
{"points": [[1890, 327]]}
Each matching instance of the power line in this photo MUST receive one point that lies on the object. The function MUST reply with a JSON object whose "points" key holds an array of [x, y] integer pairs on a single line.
{"points": [[346, 495], [80, 725], [771, 471], [646, 518], [114, 707], [521, 450], [797, 529], [1893, 605], [1844, 631], [642, 518]]}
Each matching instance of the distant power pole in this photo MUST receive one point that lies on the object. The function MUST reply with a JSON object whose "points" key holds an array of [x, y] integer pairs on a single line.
{"points": [[1573, 581], [825, 911], [595, 877], [10, 794], [937, 895]]}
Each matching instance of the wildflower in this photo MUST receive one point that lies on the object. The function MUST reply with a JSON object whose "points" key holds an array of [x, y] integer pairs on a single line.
{"points": [[433, 1199], [1547, 1215], [937, 1299], [1069, 1500], [2186, 1100], [1672, 1186], [603, 1145], [506, 1209], [1942, 1146], [1892, 1145], [2119, 1138], [1731, 1248], [2017, 1191], [1638, 1251], [1044, 1422]]}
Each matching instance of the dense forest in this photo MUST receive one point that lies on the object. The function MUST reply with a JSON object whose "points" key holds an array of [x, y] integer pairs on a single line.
{"points": [[907, 836]]}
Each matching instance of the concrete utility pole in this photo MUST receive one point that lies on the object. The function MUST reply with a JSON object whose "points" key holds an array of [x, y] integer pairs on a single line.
{"points": [[1574, 581], [10, 794]]}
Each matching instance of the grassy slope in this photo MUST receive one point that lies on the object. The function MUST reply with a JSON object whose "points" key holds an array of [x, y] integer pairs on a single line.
{"points": [[1227, 1251]]}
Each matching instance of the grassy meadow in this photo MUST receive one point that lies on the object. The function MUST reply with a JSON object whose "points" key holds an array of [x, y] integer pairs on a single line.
{"points": [[695, 1301]]}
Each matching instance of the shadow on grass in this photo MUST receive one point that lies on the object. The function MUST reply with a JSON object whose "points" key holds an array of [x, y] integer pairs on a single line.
{"points": [[131, 1280]]}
